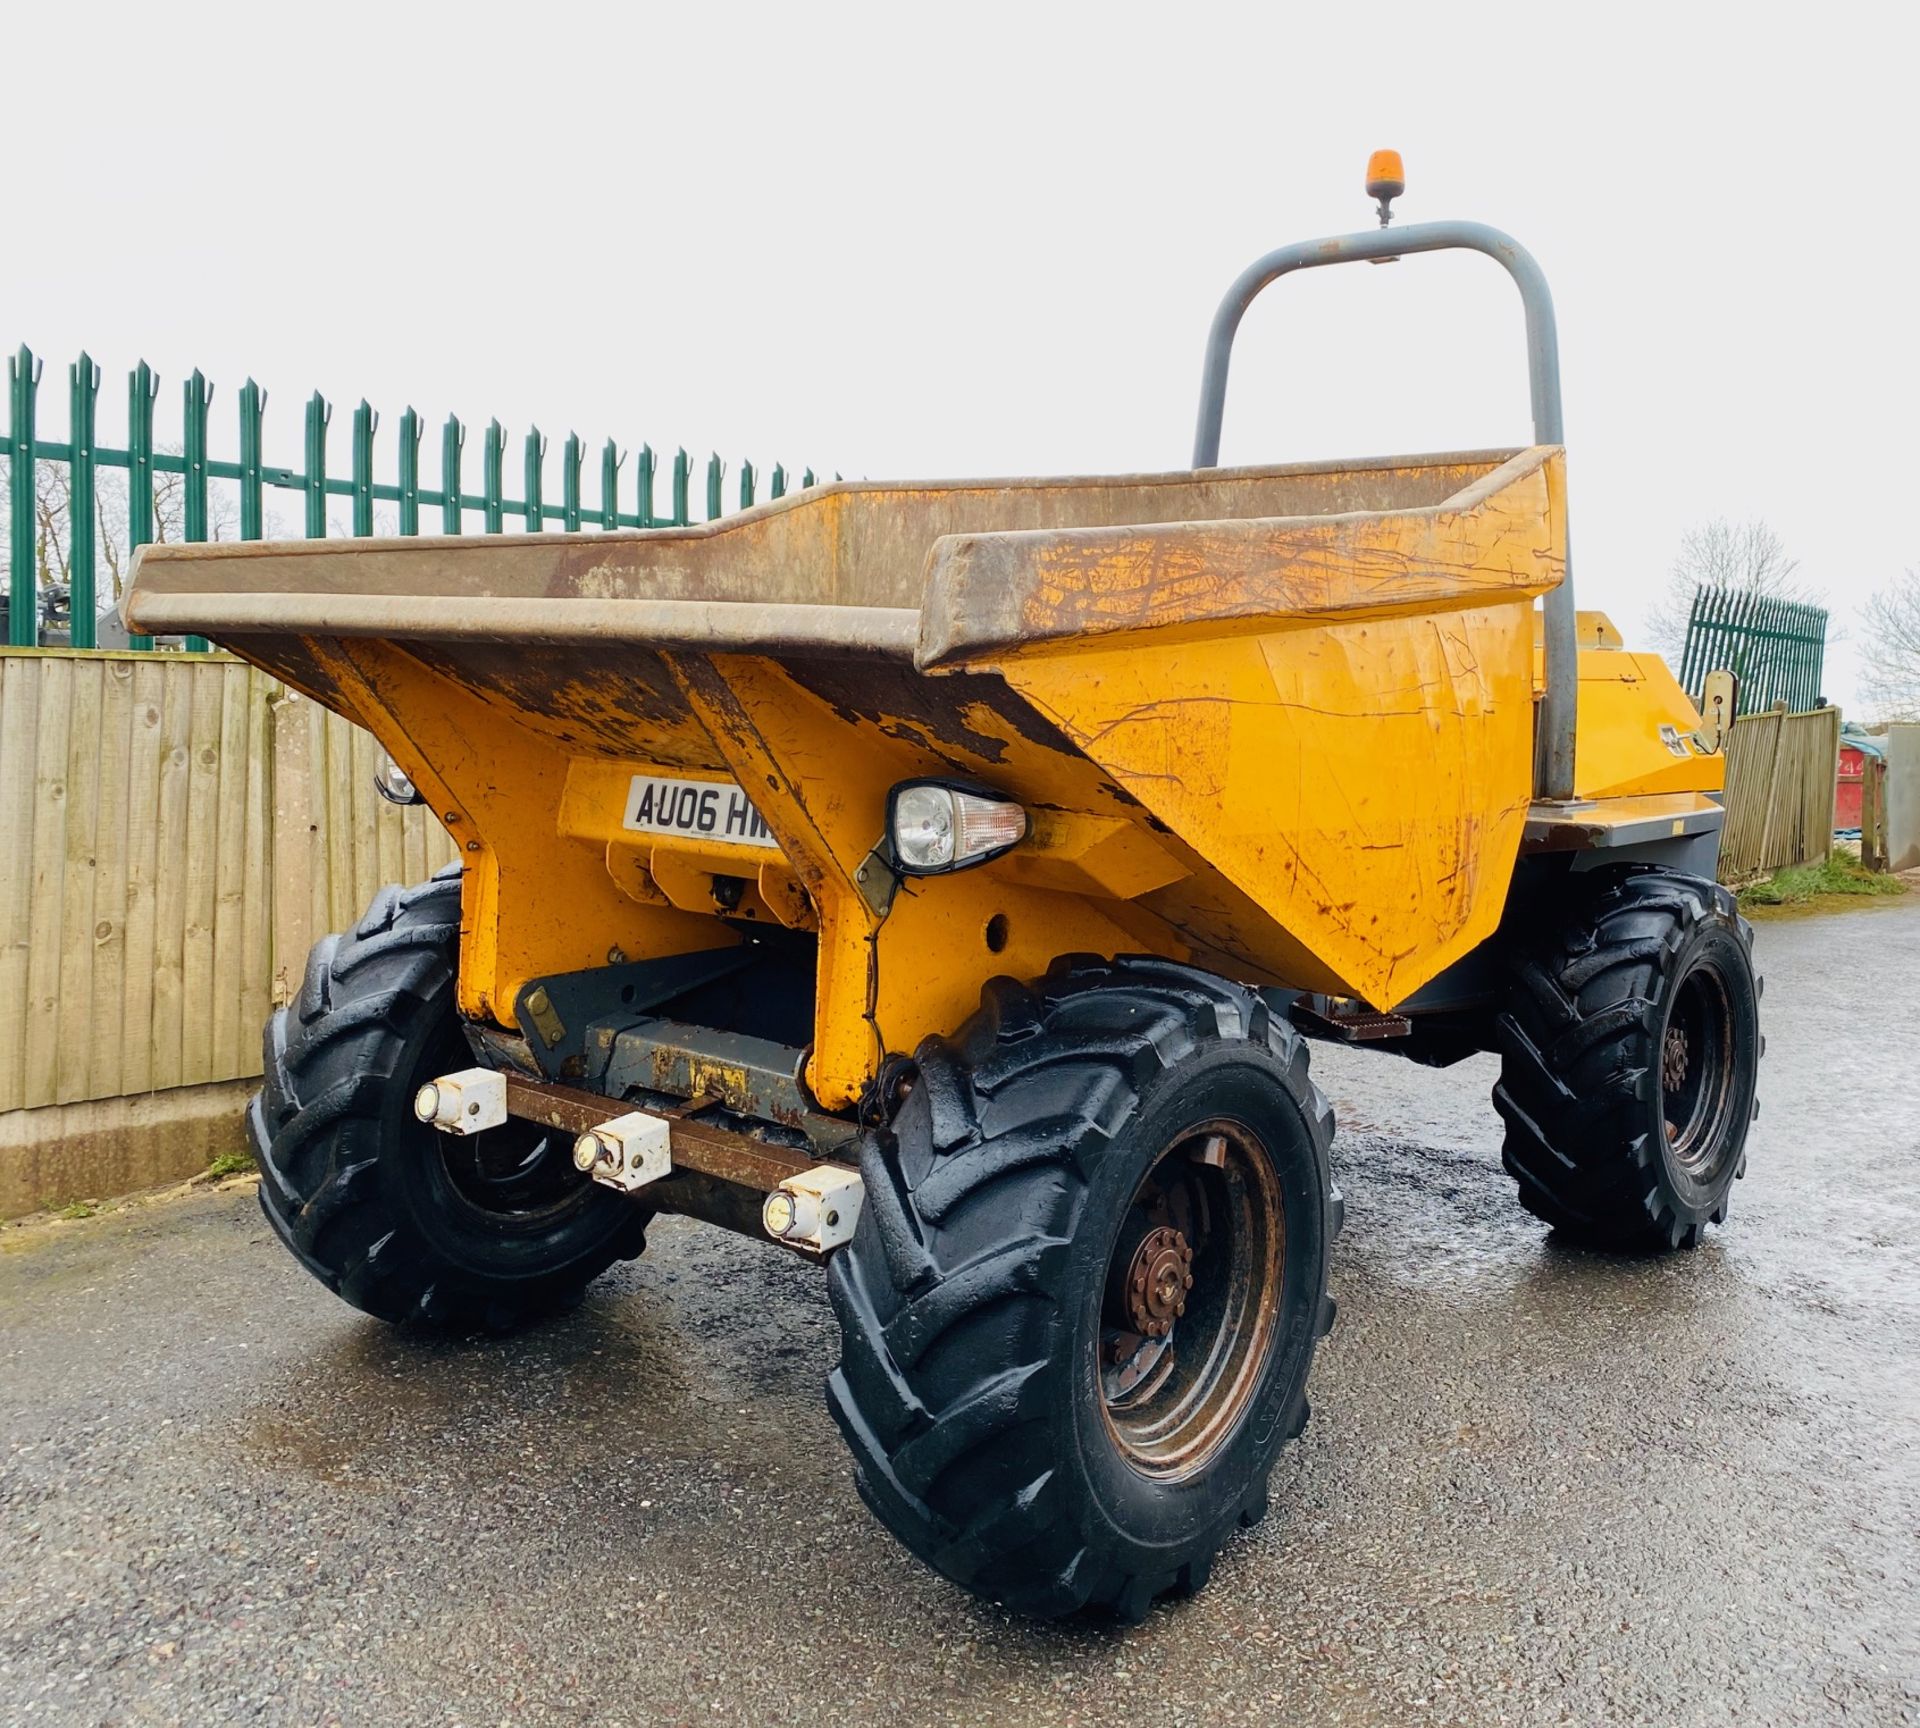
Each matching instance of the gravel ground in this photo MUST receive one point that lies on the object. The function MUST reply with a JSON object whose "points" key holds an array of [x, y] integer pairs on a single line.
{"points": [[1540, 1486]]}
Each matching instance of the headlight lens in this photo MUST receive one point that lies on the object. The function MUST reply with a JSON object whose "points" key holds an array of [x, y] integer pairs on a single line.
{"points": [[391, 782], [935, 827], [923, 827]]}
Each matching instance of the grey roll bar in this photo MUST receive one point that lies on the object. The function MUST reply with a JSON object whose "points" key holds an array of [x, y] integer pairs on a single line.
{"points": [[1553, 774]]}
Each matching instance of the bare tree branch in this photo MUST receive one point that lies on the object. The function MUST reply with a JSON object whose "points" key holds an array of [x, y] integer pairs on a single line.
{"points": [[53, 510], [52, 507], [1890, 648], [1747, 556]]}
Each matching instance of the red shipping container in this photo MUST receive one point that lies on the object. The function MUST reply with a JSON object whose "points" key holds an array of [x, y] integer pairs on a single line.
{"points": [[1846, 796]]}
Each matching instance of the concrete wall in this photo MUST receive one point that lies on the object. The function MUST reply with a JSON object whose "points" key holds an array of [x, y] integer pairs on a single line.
{"points": [[1903, 797], [108, 1146]]}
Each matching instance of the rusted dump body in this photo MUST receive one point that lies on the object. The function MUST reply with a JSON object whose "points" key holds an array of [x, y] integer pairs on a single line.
{"points": [[847, 545], [1273, 721]]}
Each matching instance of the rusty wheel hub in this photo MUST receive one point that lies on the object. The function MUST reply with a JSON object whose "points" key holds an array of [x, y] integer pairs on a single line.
{"points": [[1192, 1298], [1158, 1279], [1673, 1059]]}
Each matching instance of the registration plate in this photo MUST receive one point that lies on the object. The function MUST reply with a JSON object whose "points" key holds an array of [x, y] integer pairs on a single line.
{"points": [[700, 809]]}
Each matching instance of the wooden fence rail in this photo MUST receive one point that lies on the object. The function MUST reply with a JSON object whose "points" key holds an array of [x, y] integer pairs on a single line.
{"points": [[175, 831], [1782, 770]]}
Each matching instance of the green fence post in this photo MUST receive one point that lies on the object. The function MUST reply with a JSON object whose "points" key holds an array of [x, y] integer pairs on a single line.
{"points": [[716, 471], [142, 388], [646, 486], [536, 459], [365, 424], [682, 485], [197, 397], [319, 415], [570, 483], [83, 380], [493, 463], [610, 460], [777, 482], [253, 408], [409, 472], [451, 439], [806, 479], [23, 571], [747, 479]]}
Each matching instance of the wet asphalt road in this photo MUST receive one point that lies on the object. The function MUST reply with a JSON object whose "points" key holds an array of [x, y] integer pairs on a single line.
{"points": [[1539, 1486]]}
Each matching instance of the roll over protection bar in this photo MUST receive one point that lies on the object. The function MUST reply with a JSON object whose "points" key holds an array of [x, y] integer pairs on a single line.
{"points": [[1553, 769]]}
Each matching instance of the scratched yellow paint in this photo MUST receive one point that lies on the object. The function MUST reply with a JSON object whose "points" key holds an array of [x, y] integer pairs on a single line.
{"points": [[535, 901], [1293, 750], [883, 983], [1625, 701], [1364, 784], [991, 597]]}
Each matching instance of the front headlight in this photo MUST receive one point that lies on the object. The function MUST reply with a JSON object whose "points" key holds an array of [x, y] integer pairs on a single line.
{"points": [[935, 827], [391, 782]]}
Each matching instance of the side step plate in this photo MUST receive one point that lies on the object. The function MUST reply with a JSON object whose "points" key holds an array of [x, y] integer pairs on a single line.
{"points": [[1345, 1021]]}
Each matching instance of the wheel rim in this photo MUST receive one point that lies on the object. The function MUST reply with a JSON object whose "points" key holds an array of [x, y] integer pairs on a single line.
{"points": [[520, 1175], [1191, 1301], [1696, 1072], [518, 1171]]}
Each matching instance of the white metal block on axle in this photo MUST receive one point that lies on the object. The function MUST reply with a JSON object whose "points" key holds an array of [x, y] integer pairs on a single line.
{"points": [[469, 1102], [628, 1152], [816, 1209]]}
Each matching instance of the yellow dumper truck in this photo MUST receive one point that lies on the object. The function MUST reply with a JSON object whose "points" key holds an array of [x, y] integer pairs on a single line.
{"points": [[943, 881]]}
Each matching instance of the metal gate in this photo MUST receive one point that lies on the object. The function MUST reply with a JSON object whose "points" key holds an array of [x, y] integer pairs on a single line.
{"points": [[186, 472], [1776, 648]]}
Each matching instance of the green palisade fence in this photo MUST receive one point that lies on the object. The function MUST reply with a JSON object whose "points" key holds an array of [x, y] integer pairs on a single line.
{"points": [[1776, 648], [142, 459]]}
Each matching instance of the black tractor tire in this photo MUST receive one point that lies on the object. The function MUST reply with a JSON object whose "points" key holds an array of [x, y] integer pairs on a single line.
{"points": [[1630, 1053], [411, 1225], [973, 1377]]}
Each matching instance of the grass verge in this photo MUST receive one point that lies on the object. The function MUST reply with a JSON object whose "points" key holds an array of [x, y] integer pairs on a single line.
{"points": [[1839, 877]]}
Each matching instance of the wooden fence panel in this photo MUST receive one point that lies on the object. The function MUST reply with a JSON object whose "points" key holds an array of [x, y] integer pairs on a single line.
{"points": [[1782, 771], [258, 891], [336, 843], [175, 832], [78, 997], [146, 745], [104, 1032], [47, 845], [198, 876], [19, 721]]}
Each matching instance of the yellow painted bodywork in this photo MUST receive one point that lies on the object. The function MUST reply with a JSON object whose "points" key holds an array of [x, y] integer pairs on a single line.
{"points": [[1365, 784], [1624, 702], [1292, 748]]}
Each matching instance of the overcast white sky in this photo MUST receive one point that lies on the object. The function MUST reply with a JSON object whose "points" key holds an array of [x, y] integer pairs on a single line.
{"points": [[913, 241]]}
